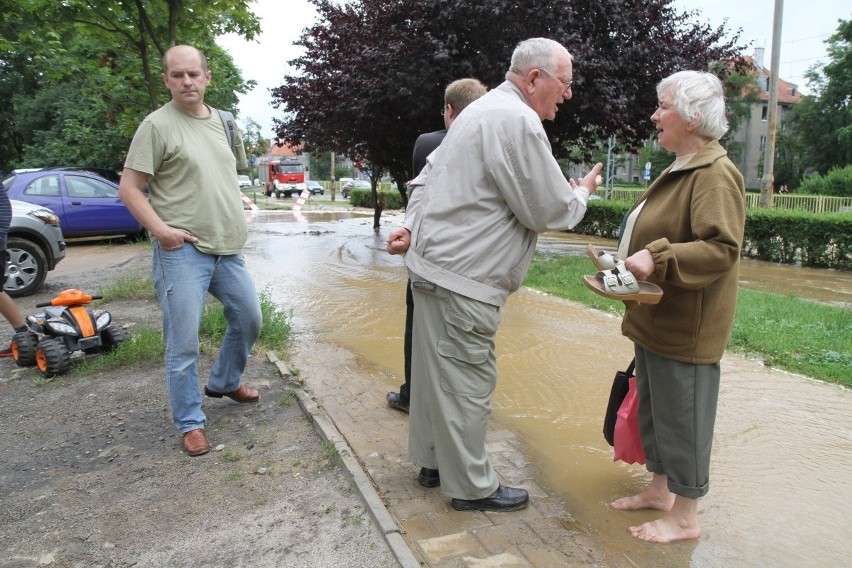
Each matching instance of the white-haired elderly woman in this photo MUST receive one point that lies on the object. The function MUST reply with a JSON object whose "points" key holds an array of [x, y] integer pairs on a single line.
{"points": [[684, 234]]}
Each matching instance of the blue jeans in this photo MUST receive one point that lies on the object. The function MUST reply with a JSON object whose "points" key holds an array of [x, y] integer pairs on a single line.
{"points": [[182, 279]]}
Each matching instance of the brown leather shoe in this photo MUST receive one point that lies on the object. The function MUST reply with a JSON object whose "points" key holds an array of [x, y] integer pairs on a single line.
{"points": [[242, 394], [195, 442]]}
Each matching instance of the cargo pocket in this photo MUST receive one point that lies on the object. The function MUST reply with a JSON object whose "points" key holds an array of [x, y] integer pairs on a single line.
{"points": [[468, 367]]}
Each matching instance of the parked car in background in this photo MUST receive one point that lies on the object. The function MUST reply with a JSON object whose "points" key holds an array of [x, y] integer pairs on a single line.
{"points": [[245, 181], [86, 203], [35, 245], [354, 184], [315, 187]]}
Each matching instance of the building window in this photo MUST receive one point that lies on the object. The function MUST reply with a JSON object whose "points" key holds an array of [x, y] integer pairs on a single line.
{"points": [[763, 142], [764, 113]]}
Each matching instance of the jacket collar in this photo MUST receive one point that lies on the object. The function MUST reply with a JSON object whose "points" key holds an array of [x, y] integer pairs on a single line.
{"points": [[708, 154], [509, 87]]}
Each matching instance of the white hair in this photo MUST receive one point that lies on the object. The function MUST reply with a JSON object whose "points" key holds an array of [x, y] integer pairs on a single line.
{"points": [[698, 97], [535, 53]]}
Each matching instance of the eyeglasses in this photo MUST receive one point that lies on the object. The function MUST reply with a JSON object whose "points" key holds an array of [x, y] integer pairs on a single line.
{"points": [[566, 83], [443, 110]]}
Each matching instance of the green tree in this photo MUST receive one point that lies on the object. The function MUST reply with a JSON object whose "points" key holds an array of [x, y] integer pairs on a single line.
{"points": [[71, 95], [822, 122], [373, 72]]}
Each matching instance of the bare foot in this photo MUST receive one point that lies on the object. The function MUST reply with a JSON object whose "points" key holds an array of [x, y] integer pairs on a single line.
{"points": [[648, 499], [665, 529]]}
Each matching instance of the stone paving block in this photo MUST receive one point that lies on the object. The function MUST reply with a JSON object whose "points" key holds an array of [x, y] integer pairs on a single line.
{"points": [[505, 560], [456, 545], [550, 509], [417, 527], [413, 506], [567, 537], [451, 521], [546, 555], [531, 512], [506, 537]]}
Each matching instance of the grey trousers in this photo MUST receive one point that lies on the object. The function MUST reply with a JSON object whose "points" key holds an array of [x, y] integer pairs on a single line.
{"points": [[677, 413], [453, 376]]}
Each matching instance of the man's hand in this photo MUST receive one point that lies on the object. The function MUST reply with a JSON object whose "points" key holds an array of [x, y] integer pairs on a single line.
{"points": [[173, 239], [399, 241], [591, 181]]}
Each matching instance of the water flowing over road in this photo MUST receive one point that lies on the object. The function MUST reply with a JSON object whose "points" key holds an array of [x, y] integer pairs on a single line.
{"points": [[782, 456]]}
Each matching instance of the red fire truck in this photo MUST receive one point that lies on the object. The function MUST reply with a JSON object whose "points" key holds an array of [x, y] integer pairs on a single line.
{"points": [[282, 177]]}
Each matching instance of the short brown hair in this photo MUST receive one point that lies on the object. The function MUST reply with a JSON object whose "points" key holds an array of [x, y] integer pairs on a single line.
{"points": [[204, 66], [462, 92]]}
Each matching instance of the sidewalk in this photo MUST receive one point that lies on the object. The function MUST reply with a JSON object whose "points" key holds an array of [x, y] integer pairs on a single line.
{"points": [[418, 523]]}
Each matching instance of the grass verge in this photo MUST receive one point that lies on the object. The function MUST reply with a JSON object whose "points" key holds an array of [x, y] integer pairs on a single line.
{"points": [[146, 343], [786, 332]]}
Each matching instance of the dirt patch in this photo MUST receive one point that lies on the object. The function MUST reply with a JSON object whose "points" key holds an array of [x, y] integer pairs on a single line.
{"points": [[92, 472]]}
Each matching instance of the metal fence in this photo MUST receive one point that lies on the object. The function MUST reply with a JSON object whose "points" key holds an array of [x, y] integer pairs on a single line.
{"points": [[810, 203]]}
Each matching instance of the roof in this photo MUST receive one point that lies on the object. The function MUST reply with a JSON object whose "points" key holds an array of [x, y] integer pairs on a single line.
{"points": [[787, 92], [284, 151]]}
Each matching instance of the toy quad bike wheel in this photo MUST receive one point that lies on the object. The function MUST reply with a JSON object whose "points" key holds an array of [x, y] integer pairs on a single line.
{"points": [[24, 348], [112, 337], [52, 357]]}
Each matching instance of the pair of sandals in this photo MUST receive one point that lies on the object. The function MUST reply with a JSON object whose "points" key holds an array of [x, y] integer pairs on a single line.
{"points": [[614, 281]]}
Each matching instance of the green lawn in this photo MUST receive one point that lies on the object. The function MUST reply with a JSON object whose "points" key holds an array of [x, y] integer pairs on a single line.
{"points": [[787, 332]]}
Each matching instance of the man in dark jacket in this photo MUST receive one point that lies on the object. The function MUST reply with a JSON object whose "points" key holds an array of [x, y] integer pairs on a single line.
{"points": [[457, 96]]}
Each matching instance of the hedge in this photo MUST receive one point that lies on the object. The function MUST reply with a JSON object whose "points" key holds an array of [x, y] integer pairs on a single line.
{"points": [[776, 235], [364, 198]]}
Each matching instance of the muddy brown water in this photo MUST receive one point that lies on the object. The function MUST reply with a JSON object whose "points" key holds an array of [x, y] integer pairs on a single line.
{"points": [[782, 457]]}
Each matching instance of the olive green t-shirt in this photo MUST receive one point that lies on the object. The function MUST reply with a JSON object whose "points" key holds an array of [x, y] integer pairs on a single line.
{"points": [[193, 182]]}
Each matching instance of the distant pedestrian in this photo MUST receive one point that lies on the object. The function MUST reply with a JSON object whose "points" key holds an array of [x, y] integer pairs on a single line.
{"points": [[196, 221]]}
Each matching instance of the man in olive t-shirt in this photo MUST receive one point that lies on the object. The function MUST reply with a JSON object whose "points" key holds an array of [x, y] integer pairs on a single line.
{"points": [[198, 228]]}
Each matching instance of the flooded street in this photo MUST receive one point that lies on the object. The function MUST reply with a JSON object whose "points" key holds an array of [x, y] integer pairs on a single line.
{"points": [[782, 457]]}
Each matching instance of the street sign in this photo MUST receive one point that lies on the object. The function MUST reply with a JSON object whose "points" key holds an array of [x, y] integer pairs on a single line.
{"points": [[252, 160]]}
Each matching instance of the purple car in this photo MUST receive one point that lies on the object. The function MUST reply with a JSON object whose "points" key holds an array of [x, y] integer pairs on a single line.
{"points": [[86, 203]]}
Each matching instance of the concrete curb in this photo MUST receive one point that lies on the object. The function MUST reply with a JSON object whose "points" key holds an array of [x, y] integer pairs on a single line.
{"points": [[352, 468]]}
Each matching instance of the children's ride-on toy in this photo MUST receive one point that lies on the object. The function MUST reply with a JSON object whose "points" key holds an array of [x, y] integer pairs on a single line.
{"points": [[66, 325]]}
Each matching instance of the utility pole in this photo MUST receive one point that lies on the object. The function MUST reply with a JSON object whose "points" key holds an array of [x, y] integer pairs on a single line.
{"points": [[332, 176], [766, 186]]}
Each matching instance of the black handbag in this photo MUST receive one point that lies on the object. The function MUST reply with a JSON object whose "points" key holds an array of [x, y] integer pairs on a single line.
{"points": [[617, 393]]}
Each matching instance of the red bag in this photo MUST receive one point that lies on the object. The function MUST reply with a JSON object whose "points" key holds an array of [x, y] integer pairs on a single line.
{"points": [[628, 443]]}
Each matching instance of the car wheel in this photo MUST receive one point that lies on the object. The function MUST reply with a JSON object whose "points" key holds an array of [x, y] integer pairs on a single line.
{"points": [[27, 267]]}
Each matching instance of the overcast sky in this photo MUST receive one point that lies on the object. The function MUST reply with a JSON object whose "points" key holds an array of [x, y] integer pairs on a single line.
{"points": [[807, 24]]}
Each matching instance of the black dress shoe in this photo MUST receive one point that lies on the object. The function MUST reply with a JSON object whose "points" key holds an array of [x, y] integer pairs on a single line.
{"points": [[503, 499], [429, 477], [395, 400]]}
